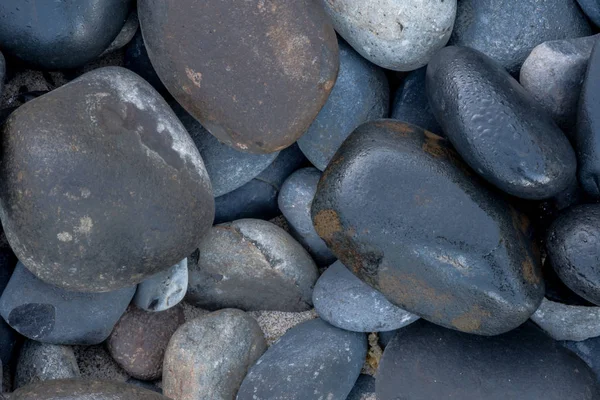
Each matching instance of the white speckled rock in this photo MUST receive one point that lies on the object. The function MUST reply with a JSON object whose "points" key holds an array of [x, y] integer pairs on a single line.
{"points": [[401, 35], [43, 362], [567, 322], [163, 290]]}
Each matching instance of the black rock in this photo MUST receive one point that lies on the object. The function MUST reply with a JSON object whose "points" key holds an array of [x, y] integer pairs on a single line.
{"points": [[312, 360], [398, 207], [592, 9], [79, 389], [588, 127], [2, 72], [132, 196], [53, 35], [429, 362], [50, 314], [126, 34], [557, 291], [137, 60], [8, 337], [497, 127], [411, 104]]}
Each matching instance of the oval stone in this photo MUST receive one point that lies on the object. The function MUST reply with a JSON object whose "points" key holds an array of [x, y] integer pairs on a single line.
{"points": [[567, 322], [132, 196], [522, 364], [255, 74], [497, 127], [163, 290], [251, 264], [77, 389], [42, 362], [55, 35], [312, 360], [398, 208]]}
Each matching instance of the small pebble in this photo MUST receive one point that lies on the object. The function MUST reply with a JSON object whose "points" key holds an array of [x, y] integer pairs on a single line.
{"points": [[163, 290], [567, 322]]}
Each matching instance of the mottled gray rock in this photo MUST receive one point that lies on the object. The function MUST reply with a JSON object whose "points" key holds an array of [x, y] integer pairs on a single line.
{"points": [[397, 35], [251, 264], [592, 9], [295, 201], [127, 33], [50, 314], [364, 388], [43, 362], [507, 30], [345, 301], [361, 93], [568, 322], [208, 357], [80, 389], [227, 167], [163, 290], [312, 361], [554, 72]]}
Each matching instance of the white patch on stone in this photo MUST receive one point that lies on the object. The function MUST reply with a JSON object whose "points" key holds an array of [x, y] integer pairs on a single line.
{"points": [[64, 237]]}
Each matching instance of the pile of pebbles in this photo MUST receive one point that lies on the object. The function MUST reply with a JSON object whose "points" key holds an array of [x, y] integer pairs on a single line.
{"points": [[311, 200]]}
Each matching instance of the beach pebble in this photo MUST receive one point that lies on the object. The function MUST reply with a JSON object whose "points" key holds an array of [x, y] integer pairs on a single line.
{"points": [[567, 322], [79, 389], [163, 290], [42, 362]]}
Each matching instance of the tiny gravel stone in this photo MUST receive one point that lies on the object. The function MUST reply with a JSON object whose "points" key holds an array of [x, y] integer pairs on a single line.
{"points": [[42, 362], [95, 362], [275, 324], [566, 322], [163, 290]]}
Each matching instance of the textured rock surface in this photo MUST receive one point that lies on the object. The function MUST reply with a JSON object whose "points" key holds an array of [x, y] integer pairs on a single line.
{"points": [[77, 389], [43, 362], [554, 72], [567, 322], [397, 35], [312, 360], [69, 35], [592, 9], [239, 89], [497, 127], [252, 265], [138, 341], [53, 315], [361, 93], [398, 208], [208, 357], [345, 301], [132, 198], [508, 30], [295, 200], [163, 290]]}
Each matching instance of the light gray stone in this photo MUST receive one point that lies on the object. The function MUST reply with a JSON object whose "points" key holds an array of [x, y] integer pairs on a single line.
{"points": [[163, 290], [345, 301], [566, 322], [397, 35], [44, 362], [208, 357]]}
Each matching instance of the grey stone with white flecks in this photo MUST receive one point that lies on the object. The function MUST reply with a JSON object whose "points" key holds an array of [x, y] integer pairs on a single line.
{"points": [[568, 322], [163, 290], [43, 362]]}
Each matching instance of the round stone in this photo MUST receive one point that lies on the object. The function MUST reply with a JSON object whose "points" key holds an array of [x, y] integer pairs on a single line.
{"points": [[132, 197], [163, 290], [70, 389], [43, 362], [567, 322]]}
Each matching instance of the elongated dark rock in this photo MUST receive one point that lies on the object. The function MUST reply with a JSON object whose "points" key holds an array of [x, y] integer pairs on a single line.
{"points": [[255, 74], [79, 389], [496, 126], [398, 207]]}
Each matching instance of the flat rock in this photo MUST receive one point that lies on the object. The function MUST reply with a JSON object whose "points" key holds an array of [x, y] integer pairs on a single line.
{"points": [[522, 364], [345, 301], [251, 264], [592, 9], [553, 74], [133, 196], [208, 357], [312, 361], [227, 167], [411, 104], [234, 65], [43, 362], [258, 198], [69, 35], [567, 322], [573, 247], [295, 200], [163, 290], [496, 126], [361, 93], [53, 315], [78, 389], [139, 339], [399, 208], [364, 388], [588, 127], [397, 35], [508, 30]]}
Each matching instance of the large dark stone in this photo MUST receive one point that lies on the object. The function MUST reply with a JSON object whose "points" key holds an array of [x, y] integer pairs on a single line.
{"points": [[79, 389], [588, 127], [497, 127], [312, 360], [397, 206], [255, 74], [592, 9], [65, 34], [100, 185], [50, 314], [507, 30], [429, 362]]}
